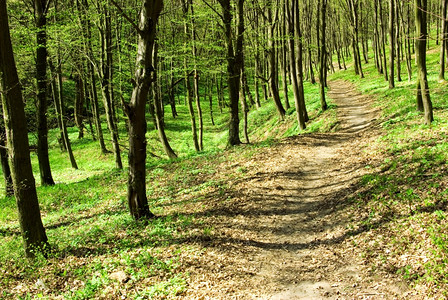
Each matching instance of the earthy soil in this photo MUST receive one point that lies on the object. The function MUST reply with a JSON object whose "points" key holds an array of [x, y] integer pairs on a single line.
{"points": [[284, 230]]}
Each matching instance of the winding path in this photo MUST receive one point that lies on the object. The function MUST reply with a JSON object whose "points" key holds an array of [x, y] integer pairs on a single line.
{"points": [[288, 233]]}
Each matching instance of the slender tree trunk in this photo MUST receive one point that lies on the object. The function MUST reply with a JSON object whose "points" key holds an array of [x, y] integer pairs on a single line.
{"points": [[59, 103], [106, 59], [422, 36], [185, 8], [383, 38], [33, 232], [79, 105], [96, 112], [398, 39], [284, 60], [377, 47], [256, 81], [138, 203], [323, 53], [196, 80], [92, 78], [408, 43], [55, 94], [41, 76], [210, 100], [6, 170], [443, 40], [171, 92], [273, 76], [234, 60], [158, 109], [391, 43], [292, 10], [245, 109]]}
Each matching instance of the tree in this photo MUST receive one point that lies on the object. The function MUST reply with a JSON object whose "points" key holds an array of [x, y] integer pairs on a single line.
{"points": [[40, 15], [234, 63], [33, 231], [352, 9], [391, 43], [322, 56], [58, 96], [105, 74], [292, 12], [272, 19], [188, 37], [6, 170], [423, 97], [158, 109], [135, 109], [443, 40]]}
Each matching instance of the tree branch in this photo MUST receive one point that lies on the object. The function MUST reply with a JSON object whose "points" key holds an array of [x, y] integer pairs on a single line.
{"points": [[126, 16], [212, 8]]}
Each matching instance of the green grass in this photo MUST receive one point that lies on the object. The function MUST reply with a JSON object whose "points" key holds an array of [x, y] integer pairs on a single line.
{"points": [[409, 193]]}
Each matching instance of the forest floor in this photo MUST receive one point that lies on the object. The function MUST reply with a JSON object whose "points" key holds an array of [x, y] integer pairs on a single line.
{"points": [[284, 229], [284, 219]]}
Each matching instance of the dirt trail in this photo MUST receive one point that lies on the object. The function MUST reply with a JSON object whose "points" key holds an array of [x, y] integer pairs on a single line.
{"points": [[284, 235]]}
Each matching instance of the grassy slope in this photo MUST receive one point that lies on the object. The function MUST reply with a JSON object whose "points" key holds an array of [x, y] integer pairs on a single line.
{"points": [[88, 223], [406, 199]]}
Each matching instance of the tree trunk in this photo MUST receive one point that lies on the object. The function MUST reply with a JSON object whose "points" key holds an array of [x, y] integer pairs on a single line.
{"points": [[196, 80], [185, 8], [273, 76], [398, 39], [60, 109], [106, 59], [234, 60], [322, 58], [79, 105], [6, 170], [210, 100], [292, 17], [422, 36], [40, 12], [284, 59], [33, 232], [383, 39], [443, 40], [138, 203], [391, 43], [158, 109], [92, 79]]}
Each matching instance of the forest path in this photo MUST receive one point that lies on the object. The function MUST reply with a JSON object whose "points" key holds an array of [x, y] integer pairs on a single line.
{"points": [[283, 233]]}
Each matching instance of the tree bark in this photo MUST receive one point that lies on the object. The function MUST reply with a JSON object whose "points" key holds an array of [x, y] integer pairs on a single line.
{"points": [[234, 60], [79, 105], [60, 109], [273, 76], [159, 111], [106, 61], [135, 110], [391, 43], [33, 232], [443, 40], [322, 58], [292, 10], [383, 39], [40, 15], [185, 8], [422, 36], [6, 170], [196, 80]]}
